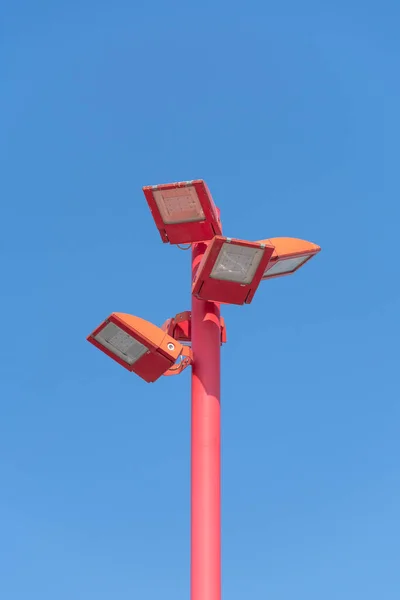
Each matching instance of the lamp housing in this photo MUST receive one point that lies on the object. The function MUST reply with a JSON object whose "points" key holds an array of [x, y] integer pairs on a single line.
{"points": [[183, 212], [138, 345], [288, 256], [231, 270]]}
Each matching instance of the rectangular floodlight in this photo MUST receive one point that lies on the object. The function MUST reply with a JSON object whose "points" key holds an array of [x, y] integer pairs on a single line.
{"points": [[237, 263], [137, 345], [289, 255], [184, 212], [231, 270]]}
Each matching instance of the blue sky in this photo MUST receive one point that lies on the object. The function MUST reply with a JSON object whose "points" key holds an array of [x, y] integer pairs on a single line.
{"points": [[291, 115]]}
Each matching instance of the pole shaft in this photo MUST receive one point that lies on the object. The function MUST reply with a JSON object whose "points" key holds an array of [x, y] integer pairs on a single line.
{"points": [[205, 461]]}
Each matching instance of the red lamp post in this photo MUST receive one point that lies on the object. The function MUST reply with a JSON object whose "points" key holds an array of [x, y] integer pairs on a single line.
{"points": [[224, 271], [206, 441]]}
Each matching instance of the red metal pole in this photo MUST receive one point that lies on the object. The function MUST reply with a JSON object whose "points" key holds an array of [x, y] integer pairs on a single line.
{"points": [[206, 470]]}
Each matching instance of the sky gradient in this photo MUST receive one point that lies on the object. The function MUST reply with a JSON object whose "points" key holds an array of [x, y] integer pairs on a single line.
{"points": [[292, 118]]}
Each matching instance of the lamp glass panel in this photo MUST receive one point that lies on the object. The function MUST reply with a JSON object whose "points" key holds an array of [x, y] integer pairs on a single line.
{"points": [[179, 205], [285, 265], [237, 263], [120, 343]]}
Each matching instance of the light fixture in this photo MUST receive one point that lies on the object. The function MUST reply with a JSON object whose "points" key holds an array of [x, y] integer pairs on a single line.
{"points": [[137, 345], [231, 270], [184, 212], [289, 255], [224, 271]]}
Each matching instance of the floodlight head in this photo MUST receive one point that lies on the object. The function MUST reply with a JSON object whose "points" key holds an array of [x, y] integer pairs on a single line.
{"points": [[137, 345], [184, 212], [231, 270], [289, 255]]}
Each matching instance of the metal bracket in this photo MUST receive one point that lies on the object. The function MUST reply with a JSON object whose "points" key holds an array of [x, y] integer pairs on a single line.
{"points": [[180, 328], [186, 360]]}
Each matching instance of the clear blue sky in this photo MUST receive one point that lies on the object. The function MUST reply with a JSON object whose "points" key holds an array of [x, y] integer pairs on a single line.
{"points": [[292, 117]]}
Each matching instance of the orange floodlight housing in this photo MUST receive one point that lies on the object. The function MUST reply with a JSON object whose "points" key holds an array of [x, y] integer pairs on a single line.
{"points": [[231, 270], [289, 255], [184, 212], [137, 345]]}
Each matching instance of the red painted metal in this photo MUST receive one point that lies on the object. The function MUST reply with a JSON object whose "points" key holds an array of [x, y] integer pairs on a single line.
{"points": [[186, 357], [206, 470], [183, 327], [285, 248], [186, 232], [159, 356], [180, 327], [224, 291]]}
